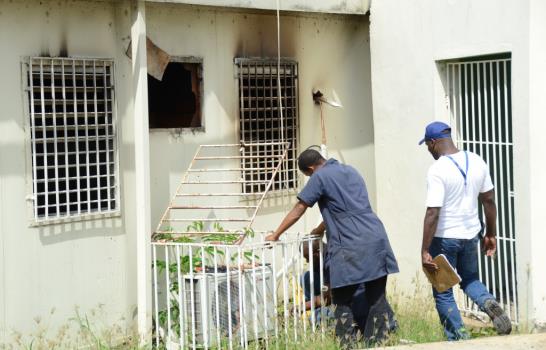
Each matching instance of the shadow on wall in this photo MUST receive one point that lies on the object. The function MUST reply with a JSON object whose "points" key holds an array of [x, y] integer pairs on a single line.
{"points": [[170, 157], [112, 226], [100, 227]]}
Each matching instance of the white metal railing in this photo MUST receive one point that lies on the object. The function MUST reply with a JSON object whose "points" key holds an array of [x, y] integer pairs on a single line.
{"points": [[235, 296], [479, 100]]}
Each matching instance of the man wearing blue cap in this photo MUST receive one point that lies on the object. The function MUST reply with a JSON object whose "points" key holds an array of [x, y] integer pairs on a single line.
{"points": [[455, 183]]}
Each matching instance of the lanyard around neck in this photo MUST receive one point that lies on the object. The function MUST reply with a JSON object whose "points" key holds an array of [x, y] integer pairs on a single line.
{"points": [[463, 173]]}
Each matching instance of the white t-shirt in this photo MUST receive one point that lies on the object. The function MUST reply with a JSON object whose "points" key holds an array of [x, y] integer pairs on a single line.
{"points": [[459, 203]]}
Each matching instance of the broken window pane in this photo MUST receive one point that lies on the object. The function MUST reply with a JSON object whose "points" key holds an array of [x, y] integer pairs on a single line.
{"points": [[175, 101]]}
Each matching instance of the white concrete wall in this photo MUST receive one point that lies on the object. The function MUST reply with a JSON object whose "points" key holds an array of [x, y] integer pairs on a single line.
{"points": [[82, 264], [537, 170], [407, 38], [333, 54]]}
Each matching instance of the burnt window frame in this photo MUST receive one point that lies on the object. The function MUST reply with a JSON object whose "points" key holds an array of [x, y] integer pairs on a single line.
{"points": [[288, 178], [200, 101], [108, 131]]}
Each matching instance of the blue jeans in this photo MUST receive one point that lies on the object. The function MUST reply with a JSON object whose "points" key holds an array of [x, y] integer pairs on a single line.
{"points": [[306, 284], [462, 254]]}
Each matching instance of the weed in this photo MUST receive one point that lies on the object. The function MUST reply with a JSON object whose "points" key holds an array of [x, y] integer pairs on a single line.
{"points": [[83, 331]]}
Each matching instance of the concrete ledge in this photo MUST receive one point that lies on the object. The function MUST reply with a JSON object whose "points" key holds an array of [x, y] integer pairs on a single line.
{"points": [[352, 7], [511, 342]]}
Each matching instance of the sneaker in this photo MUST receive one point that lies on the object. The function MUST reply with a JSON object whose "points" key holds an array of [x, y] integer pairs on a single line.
{"points": [[500, 319]]}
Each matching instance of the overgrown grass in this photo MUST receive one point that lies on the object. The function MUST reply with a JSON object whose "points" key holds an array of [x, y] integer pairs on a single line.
{"points": [[415, 312], [310, 342], [83, 331]]}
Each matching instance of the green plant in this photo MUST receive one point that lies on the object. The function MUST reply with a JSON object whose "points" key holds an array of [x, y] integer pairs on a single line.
{"points": [[82, 331], [476, 332], [85, 325], [246, 255], [183, 239], [249, 232], [196, 226], [225, 238], [199, 258], [187, 262]]}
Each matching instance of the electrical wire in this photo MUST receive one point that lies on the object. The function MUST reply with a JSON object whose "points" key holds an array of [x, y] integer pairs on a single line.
{"points": [[283, 175]]}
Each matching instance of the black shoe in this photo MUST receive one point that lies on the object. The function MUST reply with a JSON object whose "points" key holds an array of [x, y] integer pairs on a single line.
{"points": [[500, 319]]}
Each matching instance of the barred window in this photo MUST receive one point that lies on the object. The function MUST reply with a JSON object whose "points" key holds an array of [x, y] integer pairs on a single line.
{"points": [[260, 120], [73, 137]]}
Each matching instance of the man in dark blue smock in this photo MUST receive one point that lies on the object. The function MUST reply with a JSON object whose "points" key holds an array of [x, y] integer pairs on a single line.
{"points": [[358, 250]]}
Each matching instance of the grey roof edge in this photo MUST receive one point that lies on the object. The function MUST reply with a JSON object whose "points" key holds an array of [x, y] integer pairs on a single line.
{"points": [[349, 7]]}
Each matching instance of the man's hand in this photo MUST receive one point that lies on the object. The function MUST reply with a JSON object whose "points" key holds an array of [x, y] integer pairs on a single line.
{"points": [[272, 237], [489, 242], [319, 230], [426, 260], [429, 227], [489, 245]]}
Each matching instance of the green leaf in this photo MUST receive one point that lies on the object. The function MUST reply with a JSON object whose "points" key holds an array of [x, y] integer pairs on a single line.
{"points": [[183, 239], [249, 232], [160, 264], [219, 237], [162, 236], [196, 226], [218, 227], [248, 256]]}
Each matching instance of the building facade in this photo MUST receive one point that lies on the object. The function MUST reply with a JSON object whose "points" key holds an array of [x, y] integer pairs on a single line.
{"points": [[88, 161], [476, 65], [85, 177]]}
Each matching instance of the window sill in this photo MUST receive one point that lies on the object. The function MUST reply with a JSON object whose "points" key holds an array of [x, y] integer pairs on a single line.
{"points": [[273, 194], [71, 219], [178, 131]]}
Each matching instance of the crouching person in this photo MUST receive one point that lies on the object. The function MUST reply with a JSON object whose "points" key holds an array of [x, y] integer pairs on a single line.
{"points": [[358, 249], [317, 294]]}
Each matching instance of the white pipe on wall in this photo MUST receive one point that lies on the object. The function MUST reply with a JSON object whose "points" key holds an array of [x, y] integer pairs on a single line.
{"points": [[142, 169]]}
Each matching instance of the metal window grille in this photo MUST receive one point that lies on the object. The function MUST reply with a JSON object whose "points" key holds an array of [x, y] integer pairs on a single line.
{"points": [[260, 120], [480, 104], [73, 137]]}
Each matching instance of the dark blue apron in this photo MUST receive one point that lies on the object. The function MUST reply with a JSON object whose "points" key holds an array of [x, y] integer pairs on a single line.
{"points": [[358, 248]]}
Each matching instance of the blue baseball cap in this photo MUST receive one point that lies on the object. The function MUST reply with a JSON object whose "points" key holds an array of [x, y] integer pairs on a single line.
{"points": [[436, 130]]}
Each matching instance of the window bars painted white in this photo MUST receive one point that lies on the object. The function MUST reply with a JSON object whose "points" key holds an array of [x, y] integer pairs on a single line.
{"points": [[260, 118], [73, 137], [225, 296], [480, 103], [209, 204]]}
